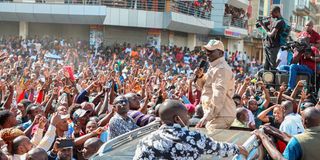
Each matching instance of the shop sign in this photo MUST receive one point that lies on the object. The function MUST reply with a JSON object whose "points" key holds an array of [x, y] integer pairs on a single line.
{"points": [[230, 33]]}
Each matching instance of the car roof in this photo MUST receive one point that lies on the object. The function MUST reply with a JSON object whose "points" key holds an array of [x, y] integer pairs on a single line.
{"points": [[124, 146]]}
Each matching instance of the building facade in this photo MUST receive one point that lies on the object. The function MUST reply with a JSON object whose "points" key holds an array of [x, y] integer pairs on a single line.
{"points": [[158, 22], [231, 23]]}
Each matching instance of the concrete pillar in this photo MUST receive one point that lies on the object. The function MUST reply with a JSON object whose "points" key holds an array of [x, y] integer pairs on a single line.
{"points": [[23, 29], [168, 6], [171, 38], [192, 41]]}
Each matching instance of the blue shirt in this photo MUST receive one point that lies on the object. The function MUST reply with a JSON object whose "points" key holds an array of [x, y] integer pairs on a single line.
{"points": [[293, 150], [26, 125]]}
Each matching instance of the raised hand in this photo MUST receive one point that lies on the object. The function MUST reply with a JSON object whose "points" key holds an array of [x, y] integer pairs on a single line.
{"points": [[300, 84], [42, 122], [304, 95], [55, 119], [36, 119], [98, 131], [282, 87], [55, 91]]}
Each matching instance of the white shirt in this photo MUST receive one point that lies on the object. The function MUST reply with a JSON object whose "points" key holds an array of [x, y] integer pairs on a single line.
{"points": [[292, 124], [128, 50], [240, 56], [282, 56], [251, 117]]}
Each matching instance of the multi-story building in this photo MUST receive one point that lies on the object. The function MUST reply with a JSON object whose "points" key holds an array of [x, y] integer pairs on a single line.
{"points": [[254, 41], [298, 12], [314, 14], [160, 22], [231, 23]]}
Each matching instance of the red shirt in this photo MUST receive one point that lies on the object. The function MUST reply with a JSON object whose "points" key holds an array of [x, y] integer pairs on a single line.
{"points": [[307, 61], [179, 56], [314, 36]]}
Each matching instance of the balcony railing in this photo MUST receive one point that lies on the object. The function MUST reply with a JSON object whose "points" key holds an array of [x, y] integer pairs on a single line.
{"points": [[303, 10], [185, 7], [234, 22], [188, 7]]}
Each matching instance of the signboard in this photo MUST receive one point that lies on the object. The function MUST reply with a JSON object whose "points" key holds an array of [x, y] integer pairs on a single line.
{"points": [[154, 38], [96, 36], [230, 33]]}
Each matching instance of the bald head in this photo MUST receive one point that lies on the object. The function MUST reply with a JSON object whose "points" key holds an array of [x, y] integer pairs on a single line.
{"points": [[287, 106], [309, 26], [37, 154], [311, 117], [242, 114], [309, 23], [91, 146], [134, 100], [173, 111]]}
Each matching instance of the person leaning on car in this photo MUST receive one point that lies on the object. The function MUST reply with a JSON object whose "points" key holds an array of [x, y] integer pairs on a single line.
{"points": [[173, 140], [301, 146]]}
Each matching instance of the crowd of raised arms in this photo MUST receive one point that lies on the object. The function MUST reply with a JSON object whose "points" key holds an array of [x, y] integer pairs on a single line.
{"points": [[53, 89]]}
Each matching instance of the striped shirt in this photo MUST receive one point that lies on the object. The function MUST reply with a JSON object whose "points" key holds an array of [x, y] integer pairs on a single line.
{"points": [[140, 118]]}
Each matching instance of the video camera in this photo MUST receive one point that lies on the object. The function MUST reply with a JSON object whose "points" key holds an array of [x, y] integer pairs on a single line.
{"points": [[302, 45], [264, 20]]}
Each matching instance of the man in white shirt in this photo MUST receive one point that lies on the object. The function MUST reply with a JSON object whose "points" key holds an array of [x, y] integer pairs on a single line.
{"points": [[128, 49], [282, 58], [292, 123]]}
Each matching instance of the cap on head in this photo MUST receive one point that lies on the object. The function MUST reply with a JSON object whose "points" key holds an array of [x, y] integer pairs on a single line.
{"points": [[213, 45], [79, 113]]}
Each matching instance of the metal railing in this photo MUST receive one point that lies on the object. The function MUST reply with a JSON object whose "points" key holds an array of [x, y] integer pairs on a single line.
{"points": [[234, 22], [303, 8], [184, 7], [147, 5], [188, 7]]}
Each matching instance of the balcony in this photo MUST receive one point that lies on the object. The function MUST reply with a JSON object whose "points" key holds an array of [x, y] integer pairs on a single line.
{"points": [[160, 14], [302, 10], [185, 7], [239, 3], [51, 13], [233, 22]]}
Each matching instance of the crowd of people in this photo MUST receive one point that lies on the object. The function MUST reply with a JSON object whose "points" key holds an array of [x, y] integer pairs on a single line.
{"points": [[61, 99], [242, 64], [236, 16], [199, 8]]}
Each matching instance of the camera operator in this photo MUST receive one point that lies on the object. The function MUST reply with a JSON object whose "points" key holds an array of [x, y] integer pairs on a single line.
{"points": [[312, 34], [274, 39], [304, 61]]}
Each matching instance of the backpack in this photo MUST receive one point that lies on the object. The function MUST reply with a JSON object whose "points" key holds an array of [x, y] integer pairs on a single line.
{"points": [[285, 33]]}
